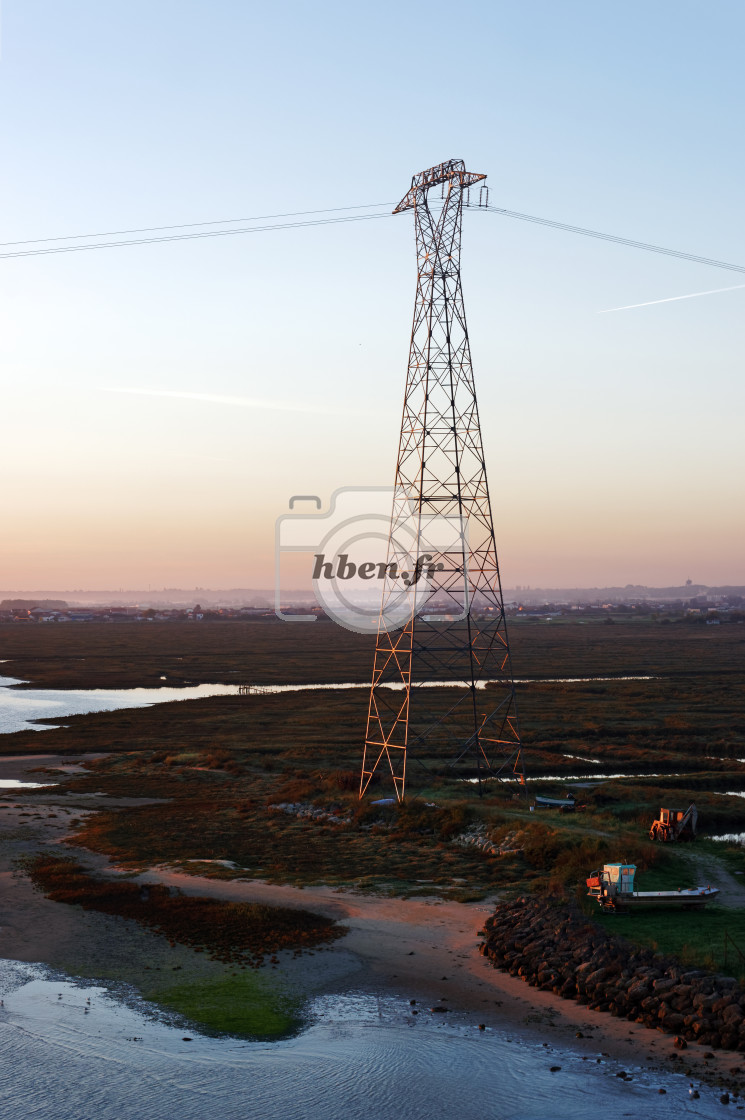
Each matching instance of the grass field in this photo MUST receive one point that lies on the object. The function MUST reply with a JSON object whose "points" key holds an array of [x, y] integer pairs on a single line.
{"points": [[697, 939]]}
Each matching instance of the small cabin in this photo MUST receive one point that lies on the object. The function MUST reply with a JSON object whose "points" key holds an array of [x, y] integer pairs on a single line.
{"points": [[616, 879], [620, 876]]}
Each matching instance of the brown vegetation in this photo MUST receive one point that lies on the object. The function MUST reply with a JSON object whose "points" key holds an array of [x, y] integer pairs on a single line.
{"points": [[380, 847], [237, 933], [131, 655], [267, 651], [218, 766]]}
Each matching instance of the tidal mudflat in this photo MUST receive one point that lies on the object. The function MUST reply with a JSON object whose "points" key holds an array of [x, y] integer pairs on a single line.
{"points": [[74, 1049], [252, 799]]}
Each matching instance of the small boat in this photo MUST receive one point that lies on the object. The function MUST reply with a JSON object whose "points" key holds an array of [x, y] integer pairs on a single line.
{"points": [[565, 805], [613, 887]]}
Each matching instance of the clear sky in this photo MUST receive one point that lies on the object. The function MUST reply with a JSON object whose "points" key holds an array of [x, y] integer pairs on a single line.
{"points": [[614, 442]]}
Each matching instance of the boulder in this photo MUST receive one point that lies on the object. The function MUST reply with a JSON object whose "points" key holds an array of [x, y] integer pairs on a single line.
{"points": [[703, 1004], [567, 955], [595, 977], [679, 1002], [637, 991]]}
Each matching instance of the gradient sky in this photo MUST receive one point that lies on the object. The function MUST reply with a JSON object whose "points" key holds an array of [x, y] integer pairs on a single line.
{"points": [[613, 442]]}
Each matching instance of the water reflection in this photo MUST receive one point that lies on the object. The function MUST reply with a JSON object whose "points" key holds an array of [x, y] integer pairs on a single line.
{"points": [[18, 707], [363, 1057], [14, 783], [593, 777]]}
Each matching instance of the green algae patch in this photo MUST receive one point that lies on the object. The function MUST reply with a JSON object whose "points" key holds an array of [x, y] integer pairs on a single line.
{"points": [[246, 1006]]}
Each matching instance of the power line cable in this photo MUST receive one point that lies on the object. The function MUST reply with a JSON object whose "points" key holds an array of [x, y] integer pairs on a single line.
{"points": [[190, 236], [679, 253], [201, 232], [192, 225]]}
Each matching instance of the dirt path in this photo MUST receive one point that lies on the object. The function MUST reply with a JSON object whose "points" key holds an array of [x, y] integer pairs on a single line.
{"points": [[710, 870]]}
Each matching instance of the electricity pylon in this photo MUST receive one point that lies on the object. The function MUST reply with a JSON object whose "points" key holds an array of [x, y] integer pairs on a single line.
{"points": [[455, 633]]}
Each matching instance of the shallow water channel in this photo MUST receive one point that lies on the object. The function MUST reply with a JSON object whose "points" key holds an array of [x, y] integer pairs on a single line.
{"points": [[19, 707]]}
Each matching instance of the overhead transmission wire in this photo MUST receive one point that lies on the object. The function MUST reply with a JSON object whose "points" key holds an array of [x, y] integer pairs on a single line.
{"points": [[51, 251], [191, 225], [341, 216], [550, 224]]}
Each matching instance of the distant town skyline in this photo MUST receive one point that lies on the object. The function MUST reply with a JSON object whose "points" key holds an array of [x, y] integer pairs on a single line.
{"points": [[266, 596], [162, 403]]}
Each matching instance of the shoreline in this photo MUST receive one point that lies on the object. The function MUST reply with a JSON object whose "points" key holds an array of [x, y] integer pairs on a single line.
{"points": [[424, 949], [408, 947]]}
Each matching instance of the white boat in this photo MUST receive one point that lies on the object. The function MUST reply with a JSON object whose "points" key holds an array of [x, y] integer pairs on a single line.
{"points": [[566, 804], [613, 887]]}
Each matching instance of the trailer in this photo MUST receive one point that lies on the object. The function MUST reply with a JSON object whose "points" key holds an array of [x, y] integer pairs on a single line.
{"points": [[613, 887], [675, 824]]}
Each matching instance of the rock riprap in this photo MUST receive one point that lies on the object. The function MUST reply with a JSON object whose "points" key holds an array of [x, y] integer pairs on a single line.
{"points": [[559, 950]]}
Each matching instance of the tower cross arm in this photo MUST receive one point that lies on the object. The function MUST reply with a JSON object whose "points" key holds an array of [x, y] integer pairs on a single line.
{"points": [[454, 171]]}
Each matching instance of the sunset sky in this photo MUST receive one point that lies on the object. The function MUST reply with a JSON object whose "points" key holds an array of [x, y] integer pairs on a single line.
{"points": [[161, 403]]}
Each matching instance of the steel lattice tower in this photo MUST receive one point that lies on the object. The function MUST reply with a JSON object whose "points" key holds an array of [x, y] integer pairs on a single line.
{"points": [[441, 471]]}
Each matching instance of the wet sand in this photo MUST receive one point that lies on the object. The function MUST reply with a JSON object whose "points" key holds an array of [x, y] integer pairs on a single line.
{"points": [[427, 949], [423, 949]]}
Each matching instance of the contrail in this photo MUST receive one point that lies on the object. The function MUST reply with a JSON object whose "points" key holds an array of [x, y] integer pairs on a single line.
{"points": [[236, 402], [671, 299]]}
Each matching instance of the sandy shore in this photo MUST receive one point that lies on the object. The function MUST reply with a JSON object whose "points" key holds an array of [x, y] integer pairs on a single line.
{"points": [[423, 949], [427, 949]]}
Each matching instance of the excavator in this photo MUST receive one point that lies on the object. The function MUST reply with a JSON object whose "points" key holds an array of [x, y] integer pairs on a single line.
{"points": [[675, 824]]}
